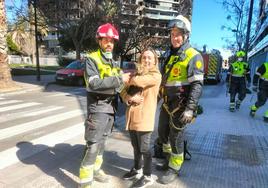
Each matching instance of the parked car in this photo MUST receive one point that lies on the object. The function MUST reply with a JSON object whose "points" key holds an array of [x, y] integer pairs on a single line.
{"points": [[71, 74]]}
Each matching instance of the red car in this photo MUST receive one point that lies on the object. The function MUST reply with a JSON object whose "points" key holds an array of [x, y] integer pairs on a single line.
{"points": [[72, 74]]}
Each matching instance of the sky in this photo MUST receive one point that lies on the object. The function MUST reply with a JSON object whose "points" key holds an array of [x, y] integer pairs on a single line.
{"points": [[207, 19]]}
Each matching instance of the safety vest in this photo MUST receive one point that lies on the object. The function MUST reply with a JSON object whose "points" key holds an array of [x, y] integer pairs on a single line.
{"points": [[265, 75], [238, 69], [178, 73], [104, 69]]}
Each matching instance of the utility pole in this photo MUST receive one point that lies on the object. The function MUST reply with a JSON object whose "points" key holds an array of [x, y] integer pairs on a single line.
{"points": [[249, 26], [36, 43]]}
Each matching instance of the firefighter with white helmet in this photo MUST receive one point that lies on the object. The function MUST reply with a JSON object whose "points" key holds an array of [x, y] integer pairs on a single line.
{"points": [[103, 79], [181, 88], [237, 80]]}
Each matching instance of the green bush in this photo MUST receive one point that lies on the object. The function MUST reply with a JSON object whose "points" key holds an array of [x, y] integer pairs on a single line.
{"points": [[64, 61], [12, 46]]}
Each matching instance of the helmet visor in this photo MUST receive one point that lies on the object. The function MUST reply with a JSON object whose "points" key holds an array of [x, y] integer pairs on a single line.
{"points": [[177, 23]]}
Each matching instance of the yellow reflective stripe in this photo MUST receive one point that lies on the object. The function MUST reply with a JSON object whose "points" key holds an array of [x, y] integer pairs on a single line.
{"points": [[177, 83], [166, 148], [86, 174], [193, 78], [175, 161], [98, 162]]}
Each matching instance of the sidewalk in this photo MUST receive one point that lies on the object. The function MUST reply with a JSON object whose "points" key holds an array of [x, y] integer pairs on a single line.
{"points": [[29, 83]]}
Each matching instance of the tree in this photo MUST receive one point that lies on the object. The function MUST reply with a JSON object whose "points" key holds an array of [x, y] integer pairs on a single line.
{"points": [[5, 76], [237, 23]]}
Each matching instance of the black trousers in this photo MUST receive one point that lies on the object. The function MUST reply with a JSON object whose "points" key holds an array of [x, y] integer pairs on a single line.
{"points": [[238, 87], [141, 145], [98, 127], [168, 134], [262, 97]]}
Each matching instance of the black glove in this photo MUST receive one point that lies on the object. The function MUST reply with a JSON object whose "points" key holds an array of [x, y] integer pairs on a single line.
{"points": [[187, 116]]}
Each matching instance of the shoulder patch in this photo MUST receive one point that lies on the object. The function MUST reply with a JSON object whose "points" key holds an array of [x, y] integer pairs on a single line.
{"points": [[198, 64]]}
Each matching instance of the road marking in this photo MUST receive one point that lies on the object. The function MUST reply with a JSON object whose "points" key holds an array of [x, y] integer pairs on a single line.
{"points": [[22, 128], [27, 149], [19, 106], [9, 102], [66, 94], [29, 113], [1, 98]]}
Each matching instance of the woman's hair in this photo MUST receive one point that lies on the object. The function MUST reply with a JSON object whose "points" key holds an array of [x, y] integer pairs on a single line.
{"points": [[153, 51]]}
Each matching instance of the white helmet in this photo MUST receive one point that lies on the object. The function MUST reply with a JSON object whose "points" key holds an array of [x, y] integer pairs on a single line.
{"points": [[180, 22]]}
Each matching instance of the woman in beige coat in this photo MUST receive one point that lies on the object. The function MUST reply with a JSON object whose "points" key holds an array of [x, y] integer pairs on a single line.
{"points": [[140, 95]]}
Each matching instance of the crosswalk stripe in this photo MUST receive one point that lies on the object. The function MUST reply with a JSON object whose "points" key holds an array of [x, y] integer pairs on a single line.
{"points": [[63, 94], [14, 155], [9, 102], [22, 128], [29, 113], [19, 106]]}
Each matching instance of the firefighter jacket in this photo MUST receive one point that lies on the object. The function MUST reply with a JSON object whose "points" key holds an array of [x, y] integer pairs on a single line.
{"points": [[183, 73], [261, 76], [238, 72], [102, 78]]}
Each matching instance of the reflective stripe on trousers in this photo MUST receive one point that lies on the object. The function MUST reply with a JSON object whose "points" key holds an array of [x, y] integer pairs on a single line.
{"points": [[175, 161]]}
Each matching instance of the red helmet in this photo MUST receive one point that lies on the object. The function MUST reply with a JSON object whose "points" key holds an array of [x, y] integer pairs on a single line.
{"points": [[107, 30]]}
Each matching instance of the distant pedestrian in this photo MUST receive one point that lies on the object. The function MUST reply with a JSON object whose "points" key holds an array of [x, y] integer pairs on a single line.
{"points": [[103, 80], [260, 82], [140, 96], [237, 80]]}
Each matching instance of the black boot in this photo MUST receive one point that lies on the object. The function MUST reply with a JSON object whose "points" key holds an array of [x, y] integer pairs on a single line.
{"points": [[169, 176], [162, 166]]}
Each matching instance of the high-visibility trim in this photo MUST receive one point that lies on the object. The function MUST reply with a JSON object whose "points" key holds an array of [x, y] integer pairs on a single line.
{"points": [[106, 92], [175, 161], [265, 75], [238, 76], [265, 79], [177, 83], [86, 174], [254, 108], [193, 78], [257, 73], [98, 162], [92, 78], [266, 114], [178, 72], [166, 148]]}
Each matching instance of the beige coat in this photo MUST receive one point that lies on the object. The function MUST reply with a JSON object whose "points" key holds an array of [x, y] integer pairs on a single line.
{"points": [[142, 116]]}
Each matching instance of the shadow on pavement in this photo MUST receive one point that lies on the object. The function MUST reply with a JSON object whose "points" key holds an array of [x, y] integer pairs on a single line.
{"points": [[52, 161]]}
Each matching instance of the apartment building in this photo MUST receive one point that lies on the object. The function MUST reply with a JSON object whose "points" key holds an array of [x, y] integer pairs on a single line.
{"points": [[259, 51], [154, 15]]}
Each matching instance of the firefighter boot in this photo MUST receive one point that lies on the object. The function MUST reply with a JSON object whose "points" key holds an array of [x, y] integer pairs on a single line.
{"points": [[162, 166], [99, 174], [237, 104], [86, 176], [253, 110], [169, 176], [232, 107], [265, 117]]}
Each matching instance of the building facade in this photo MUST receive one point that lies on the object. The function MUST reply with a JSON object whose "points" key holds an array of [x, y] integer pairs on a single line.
{"points": [[259, 51]]}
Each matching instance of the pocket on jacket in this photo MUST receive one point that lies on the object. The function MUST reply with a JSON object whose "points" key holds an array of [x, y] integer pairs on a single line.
{"points": [[137, 114]]}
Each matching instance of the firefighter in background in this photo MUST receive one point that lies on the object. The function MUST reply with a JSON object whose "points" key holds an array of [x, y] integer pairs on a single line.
{"points": [[103, 80], [181, 88], [237, 80], [261, 77]]}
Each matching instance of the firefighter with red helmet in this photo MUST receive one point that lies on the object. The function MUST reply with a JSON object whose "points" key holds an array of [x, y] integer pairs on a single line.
{"points": [[237, 80], [104, 79]]}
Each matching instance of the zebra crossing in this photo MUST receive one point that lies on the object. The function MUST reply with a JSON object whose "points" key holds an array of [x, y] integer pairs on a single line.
{"points": [[21, 118]]}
